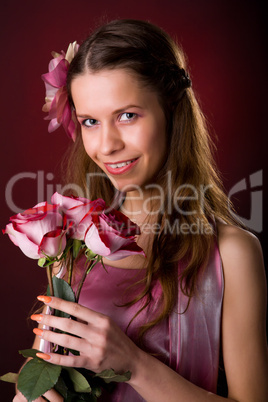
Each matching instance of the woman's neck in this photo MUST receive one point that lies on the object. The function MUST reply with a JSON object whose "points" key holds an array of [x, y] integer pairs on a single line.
{"points": [[141, 206]]}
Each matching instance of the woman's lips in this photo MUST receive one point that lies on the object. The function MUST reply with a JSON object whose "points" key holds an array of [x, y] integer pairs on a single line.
{"points": [[121, 167]]}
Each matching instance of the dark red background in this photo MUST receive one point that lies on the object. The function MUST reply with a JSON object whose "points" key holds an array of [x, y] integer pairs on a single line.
{"points": [[225, 43]]}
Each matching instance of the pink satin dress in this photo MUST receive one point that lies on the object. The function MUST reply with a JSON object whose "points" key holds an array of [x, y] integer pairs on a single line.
{"points": [[187, 342]]}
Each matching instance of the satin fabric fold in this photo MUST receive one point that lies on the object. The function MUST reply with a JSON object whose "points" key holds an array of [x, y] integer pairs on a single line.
{"points": [[195, 334]]}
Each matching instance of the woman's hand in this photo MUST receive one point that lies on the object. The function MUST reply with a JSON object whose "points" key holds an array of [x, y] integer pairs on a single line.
{"points": [[101, 343]]}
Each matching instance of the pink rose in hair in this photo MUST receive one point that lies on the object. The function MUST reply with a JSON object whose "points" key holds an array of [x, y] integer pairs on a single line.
{"points": [[57, 104], [38, 231]]}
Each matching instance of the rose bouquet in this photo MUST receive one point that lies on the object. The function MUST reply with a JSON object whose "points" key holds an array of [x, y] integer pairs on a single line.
{"points": [[63, 231]]}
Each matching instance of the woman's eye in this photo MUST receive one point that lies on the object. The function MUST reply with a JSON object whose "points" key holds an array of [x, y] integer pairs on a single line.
{"points": [[89, 122], [127, 116]]}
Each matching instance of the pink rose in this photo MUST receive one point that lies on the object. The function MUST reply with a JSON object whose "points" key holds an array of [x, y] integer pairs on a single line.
{"points": [[74, 210], [38, 231], [110, 233], [106, 232]]}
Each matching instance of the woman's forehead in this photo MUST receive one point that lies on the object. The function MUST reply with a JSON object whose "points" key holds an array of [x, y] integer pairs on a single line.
{"points": [[116, 88]]}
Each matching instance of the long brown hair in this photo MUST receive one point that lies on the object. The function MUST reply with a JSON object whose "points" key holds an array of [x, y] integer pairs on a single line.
{"points": [[147, 51]]}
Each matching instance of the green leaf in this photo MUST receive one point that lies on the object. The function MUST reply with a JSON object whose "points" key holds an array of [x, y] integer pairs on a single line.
{"points": [[46, 261], [79, 381], [103, 266], [42, 261], [96, 391], [61, 387], [77, 245], [29, 352], [64, 291], [90, 254], [10, 377], [37, 377], [110, 375]]}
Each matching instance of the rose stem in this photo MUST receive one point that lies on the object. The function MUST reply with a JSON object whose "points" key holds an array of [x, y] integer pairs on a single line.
{"points": [[51, 290], [87, 270], [70, 273], [49, 277]]}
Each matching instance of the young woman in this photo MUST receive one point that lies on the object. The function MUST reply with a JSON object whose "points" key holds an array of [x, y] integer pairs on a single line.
{"points": [[195, 306]]}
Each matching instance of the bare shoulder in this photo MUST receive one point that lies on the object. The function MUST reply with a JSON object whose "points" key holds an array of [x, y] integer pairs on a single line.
{"points": [[234, 239], [242, 262], [244, 314], [239, 249]]}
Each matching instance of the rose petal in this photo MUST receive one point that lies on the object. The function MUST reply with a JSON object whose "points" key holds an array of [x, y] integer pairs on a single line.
{"points": [[94, 242], [38, 212], [66, 202], [57, 77], [53, 243], [53, 125], [57, 57], [9, 230], [130, 249], [36, 229], [82, 227], [21, 240], [71, 51]]}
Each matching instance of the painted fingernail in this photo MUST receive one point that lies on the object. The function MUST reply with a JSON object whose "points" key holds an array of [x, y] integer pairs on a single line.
{"points": [[44, 299], [36, 317], [38, 331], [43, 356]]}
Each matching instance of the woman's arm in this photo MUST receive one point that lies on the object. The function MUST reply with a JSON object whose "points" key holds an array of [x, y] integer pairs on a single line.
{"points": [[244, 315], [103, 345]]}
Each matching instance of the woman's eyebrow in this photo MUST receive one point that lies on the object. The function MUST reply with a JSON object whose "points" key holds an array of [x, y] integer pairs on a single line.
{"points": [[85, 115], [126, 107]]}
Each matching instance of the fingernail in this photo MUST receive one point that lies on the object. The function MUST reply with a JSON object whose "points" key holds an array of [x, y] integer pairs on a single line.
{"points": [[43, 356], [44, 299], [36, 317], [38, 331]]}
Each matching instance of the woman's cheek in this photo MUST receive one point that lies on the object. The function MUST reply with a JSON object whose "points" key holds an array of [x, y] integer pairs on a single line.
{"points": [[88, 143]]}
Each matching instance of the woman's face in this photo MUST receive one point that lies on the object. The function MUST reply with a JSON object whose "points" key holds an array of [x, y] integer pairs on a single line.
{"points": [[122, 125]]}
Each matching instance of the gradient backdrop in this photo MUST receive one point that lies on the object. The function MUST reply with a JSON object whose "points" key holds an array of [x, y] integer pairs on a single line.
{"points": [[225, 44]]}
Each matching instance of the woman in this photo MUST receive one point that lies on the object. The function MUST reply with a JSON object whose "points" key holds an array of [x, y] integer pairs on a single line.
{"points": [[200, 294]]}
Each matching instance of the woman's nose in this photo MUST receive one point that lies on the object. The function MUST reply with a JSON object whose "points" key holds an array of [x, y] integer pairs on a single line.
{"points": [[111, 140]]}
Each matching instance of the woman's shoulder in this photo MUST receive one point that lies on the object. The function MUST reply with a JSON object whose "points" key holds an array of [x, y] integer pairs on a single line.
{"points": [[244, 312], [237, 243], [242, 258]]}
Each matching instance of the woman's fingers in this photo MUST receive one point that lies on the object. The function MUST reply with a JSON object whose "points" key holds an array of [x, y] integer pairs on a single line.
{"points": [[52, 395], [101, 343], [94, 326], [74, 309], [66, 360], [64, 340], [20, 398], [63, 324]]}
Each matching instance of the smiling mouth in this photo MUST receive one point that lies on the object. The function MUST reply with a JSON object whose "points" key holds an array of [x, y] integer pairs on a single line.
{"points": [[120, 165]]}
